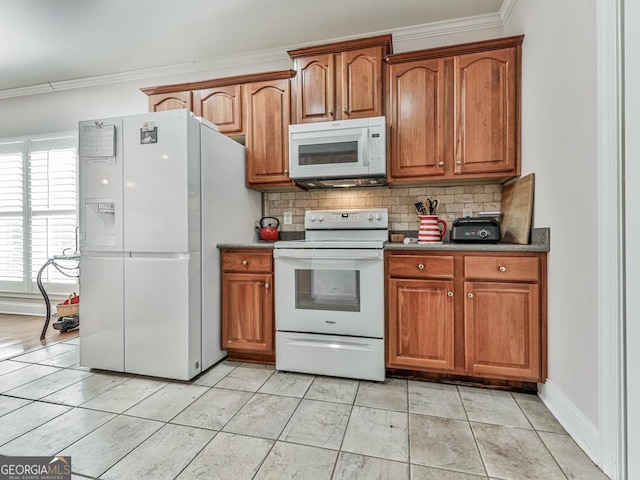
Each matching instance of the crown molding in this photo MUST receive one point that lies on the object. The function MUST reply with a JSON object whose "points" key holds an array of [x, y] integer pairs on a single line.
{"points": [[459, 25], [23, 91], [505, 10], [268, 55]]}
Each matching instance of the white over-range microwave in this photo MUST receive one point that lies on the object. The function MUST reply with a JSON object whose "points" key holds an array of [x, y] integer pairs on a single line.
{"points": [[343, 153]]}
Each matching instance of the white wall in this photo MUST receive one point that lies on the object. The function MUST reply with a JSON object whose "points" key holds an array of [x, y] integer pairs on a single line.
{"points": [[632, 164], [559, 144]]}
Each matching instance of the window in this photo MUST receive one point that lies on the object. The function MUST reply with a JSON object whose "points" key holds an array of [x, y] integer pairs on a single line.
{"points": [[38, 210]]}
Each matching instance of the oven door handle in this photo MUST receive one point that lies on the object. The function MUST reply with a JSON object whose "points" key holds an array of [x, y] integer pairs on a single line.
{"points": [[328, 254]]}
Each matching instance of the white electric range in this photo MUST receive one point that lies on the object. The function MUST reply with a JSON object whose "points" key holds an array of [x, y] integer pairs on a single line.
{"points": [[329, 295]]}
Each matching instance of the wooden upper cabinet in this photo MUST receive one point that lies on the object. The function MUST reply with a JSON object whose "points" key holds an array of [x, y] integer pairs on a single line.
{"points": [[361, 83], [417, 117], [486, 99], [267, 138], [222, 106], [315, 101], [455, 112], [170, 101], [341, 80]]}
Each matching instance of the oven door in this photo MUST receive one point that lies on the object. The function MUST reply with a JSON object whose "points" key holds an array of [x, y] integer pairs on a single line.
{"points": [[338, 292]]}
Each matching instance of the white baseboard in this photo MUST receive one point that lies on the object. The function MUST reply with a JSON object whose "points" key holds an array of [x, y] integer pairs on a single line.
{"points": [[28, 306], [583, 432]]}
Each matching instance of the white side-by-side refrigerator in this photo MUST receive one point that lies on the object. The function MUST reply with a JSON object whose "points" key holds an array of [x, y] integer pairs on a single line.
{"points": [[158, 192]]}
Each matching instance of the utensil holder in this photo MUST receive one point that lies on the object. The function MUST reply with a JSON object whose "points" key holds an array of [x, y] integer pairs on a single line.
{"points": [[432, 229]]}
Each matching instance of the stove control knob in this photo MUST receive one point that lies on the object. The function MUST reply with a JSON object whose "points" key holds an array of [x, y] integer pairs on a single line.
{"points": [[484, 233], [321, 218], [369, 217], [378, 217], [312, 218]]}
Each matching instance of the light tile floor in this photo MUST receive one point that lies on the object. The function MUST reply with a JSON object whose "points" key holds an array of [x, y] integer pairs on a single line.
{"points": [[243, 421]]}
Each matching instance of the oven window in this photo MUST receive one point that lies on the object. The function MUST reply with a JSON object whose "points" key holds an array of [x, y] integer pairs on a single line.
{"points": [[337, 290], [328, 153]]}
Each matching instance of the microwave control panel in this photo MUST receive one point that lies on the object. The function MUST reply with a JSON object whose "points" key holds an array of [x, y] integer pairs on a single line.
{"points": [[377, 146]]}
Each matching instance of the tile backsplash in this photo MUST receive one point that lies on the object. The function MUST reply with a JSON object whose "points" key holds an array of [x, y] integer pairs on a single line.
{"points": [[399, 201]]}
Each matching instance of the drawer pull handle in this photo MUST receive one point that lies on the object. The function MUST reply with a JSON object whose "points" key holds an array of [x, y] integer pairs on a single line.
{"points": [[470, 295], [266, 285], [421, 267], [503, 268], [245, 262], [449, 294]]}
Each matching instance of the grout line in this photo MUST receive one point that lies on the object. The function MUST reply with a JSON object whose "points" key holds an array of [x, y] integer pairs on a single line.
{"points": [[473, 434]]}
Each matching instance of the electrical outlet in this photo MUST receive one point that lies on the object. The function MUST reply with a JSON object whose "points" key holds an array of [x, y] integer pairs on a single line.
{"points": [[467, 212], [288, 219]]}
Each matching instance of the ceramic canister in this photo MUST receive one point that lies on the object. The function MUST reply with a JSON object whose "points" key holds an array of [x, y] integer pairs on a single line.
{"points": [[431, 229]]}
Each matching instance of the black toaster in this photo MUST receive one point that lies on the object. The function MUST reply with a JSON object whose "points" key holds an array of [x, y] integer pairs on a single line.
{"points": [[476, 230]]}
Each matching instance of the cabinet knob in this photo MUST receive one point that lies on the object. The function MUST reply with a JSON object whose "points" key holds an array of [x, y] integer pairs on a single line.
{"points": [[345, 111], [470, 295], [286, 171], [266, 285], [449, 294], [458, 162], [502, 268], [245, 262], [421, 267], [331, 111], [441, 163]]}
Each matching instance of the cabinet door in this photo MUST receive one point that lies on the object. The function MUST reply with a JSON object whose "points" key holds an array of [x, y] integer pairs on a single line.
{"points": [[420, 329], [502, 330], [222, 106], [267, 139], [170, 101], [486, 99], [361, 83], [247, 312], [417, 119], [315, 88]]}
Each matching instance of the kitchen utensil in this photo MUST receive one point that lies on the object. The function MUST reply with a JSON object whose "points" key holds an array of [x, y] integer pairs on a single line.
{"points": [[433, 204], [420, 207], [517, 209], [268, 233]]}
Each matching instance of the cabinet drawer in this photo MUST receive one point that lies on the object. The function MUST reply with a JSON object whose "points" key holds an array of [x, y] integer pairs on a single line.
{"points": [[420, 266], [502, 268], [242, 261]]}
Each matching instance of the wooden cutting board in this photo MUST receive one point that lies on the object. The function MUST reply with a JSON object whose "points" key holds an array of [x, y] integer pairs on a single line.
{"points": [[517, 210]]}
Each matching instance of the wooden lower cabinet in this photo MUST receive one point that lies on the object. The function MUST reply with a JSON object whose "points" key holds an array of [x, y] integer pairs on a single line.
{"points": [[470, 314], [247, 304], [420, 324], [502, 329]]}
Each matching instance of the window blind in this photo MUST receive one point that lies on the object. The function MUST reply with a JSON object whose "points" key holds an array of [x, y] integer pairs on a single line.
{"points": [[38, 211], [12, 215]]}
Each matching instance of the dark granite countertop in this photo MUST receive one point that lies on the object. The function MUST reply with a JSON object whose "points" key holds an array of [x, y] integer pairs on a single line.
{"points": [[540, 242]]}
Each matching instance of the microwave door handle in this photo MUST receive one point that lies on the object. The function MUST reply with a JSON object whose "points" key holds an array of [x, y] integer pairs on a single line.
{"points": [[365, 148]]}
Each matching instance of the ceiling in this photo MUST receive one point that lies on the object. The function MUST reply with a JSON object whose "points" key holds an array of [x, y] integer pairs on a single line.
{"points": [[45, 41]]}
